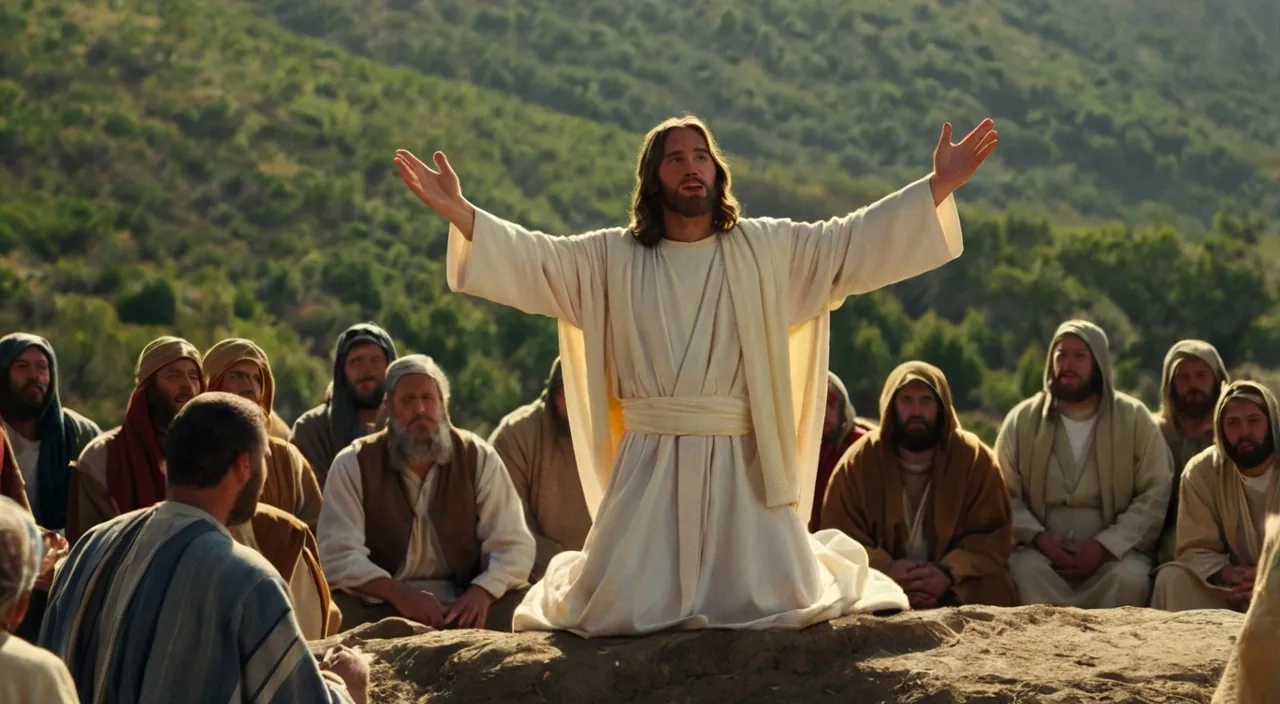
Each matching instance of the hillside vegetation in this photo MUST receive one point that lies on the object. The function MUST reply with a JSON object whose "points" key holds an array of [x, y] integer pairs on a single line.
{"points": [[217, 167]]}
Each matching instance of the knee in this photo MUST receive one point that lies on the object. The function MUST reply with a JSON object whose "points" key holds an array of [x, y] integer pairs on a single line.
{"points": [[1132, 575], [1027, 561]]}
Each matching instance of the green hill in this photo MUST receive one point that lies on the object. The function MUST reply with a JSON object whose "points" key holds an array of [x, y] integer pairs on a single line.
{"points": [[202, 168]]}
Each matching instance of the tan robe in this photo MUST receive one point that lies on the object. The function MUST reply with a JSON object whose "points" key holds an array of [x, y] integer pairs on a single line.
{"points": [[90, 502], [1118, 497], [538, 455], [291, 548], [291, 485], [694, 483], [1251, 675], [1217, 526]]}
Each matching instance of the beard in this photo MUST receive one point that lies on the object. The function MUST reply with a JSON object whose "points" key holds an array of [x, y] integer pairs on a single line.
{"points": [[371, 399], [1248, 454], [411, 448], [1082, 391], [1196, 404], [246, 503], [23, 403], [162, 408], [688, 206], [912, 436]]}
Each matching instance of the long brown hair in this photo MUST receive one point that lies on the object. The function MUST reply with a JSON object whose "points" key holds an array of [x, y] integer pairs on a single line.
{"points": [[647, 222]]}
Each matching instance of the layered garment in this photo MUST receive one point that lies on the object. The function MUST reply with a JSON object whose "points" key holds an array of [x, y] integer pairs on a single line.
{"points": [[1221, 516], [161, 605], [460, 525], [1105, 478], [322, 432], [537, 450], [1183, 446], [61, 435], [291, 485], [954, 513], [289, 546], [122, 469], [695, 381]]}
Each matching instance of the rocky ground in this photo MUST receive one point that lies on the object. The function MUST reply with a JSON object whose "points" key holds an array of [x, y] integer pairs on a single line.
{"points": [[973, 654]]}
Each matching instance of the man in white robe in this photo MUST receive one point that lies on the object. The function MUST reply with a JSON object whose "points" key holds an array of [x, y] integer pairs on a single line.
{"points": [[694, 346]]}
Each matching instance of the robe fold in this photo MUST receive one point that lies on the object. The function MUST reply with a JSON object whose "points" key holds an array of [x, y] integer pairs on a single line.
{"points": [[695, 379], [1217, 525], [61, 432], [1182, 446], [968, 521], [11, 484], [537, 450], [161, 605], [1119, 498], [1251, 675]]}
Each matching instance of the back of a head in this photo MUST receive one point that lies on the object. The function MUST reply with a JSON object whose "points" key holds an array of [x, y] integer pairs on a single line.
{"points": [[207, 436], [20, 553]]}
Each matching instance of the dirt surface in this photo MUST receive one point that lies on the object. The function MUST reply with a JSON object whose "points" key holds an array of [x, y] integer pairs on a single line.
{"points": [[973, 654]]}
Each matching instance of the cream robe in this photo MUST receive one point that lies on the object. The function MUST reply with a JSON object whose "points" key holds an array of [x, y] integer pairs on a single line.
{"points": [[675, 336], [1251, 675], [1217, 526]]}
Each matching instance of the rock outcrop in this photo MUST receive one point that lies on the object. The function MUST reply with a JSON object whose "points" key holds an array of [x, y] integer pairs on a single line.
{"points": [[972, 654]]}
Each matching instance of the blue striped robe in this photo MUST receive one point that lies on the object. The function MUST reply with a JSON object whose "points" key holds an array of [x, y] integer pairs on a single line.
{"points": [[161, 605]]}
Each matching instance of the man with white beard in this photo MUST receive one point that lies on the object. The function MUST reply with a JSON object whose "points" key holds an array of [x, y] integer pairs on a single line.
{"points": [[421, 520]]}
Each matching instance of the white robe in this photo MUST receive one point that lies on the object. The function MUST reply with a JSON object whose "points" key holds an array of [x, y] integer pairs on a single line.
{"points": [[684, 536]]}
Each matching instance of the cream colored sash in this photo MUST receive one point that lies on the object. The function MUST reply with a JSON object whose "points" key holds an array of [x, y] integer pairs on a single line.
{"points": [[687, 415]]}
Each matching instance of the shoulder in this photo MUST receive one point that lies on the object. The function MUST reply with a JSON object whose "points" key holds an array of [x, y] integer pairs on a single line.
{"points": [[38, 669], [82, 425], [1026, 409], [1132, 406], [279, 446], [857, 459], [345, 463], [528, 414], [276, 519], [311, 417], [1203, 465], [93, 458]]}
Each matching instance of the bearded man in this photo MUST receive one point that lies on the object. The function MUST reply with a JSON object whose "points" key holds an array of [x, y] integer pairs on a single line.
{"points": [[926, 498], [241, 367], [1190, 385], [1227, 492], [355, 394], [421, 519], [123, 469], [1089, 478], [45, 437], [695, 347], [537, 450]]}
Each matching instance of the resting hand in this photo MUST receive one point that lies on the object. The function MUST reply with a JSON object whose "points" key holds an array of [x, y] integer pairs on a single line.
{"points": [[471, 609]]}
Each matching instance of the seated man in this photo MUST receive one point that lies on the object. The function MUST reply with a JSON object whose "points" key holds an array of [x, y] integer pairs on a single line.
{"points": [[161, 605], [1089, 478], [926, 498], [1227, 492], [537, 450], [841, 427], [421, 519], [27, 673]]}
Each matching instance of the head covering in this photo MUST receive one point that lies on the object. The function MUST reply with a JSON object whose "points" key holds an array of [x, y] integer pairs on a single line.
{"points": [[555, 380], [1183, 350], [344, 421], [1096, 339], [226, 354], [135, 475], [930, 376], [847, 414], [1251, 391], [21, 550], [417, 364], [61, 434]]}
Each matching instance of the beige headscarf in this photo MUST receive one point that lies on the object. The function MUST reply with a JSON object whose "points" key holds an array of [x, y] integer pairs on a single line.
{"points": [[161, 352]]}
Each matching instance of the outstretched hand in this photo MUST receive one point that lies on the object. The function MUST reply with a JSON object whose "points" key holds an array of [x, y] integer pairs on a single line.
{"points": [[438, 189], [955, 164]]}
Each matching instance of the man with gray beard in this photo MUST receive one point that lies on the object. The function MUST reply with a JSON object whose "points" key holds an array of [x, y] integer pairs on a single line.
{"points": [[421, 520]]}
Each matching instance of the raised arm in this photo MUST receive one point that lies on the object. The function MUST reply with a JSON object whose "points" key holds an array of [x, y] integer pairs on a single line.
{"points": [[905, 234], [500, 261]]}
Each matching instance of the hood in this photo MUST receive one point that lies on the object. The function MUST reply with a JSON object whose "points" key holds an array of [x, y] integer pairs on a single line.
{"points": [[13, 345], [932, 377], [847, 414], [226, 354], [1254, 392], [357, 334], [1186, 349], [1096, 339], [162, 352], [555, 380]]}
